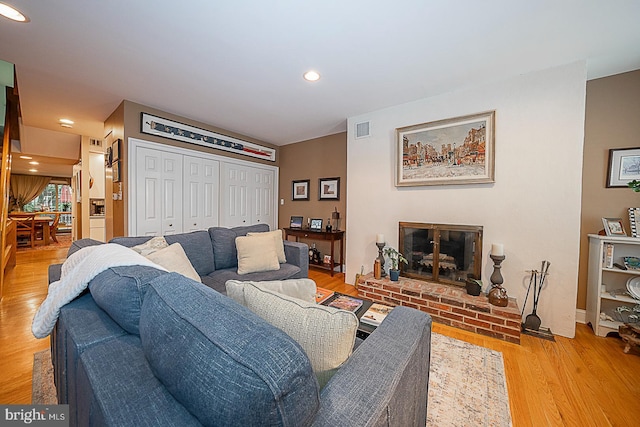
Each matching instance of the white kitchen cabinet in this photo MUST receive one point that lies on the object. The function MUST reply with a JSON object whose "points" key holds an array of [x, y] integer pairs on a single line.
{"points": [[606, 285], [97, 228]]}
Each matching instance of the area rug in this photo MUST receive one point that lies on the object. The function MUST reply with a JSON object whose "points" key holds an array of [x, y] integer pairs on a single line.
{"points": [[64, 241], [43, 390], [467, 386]]}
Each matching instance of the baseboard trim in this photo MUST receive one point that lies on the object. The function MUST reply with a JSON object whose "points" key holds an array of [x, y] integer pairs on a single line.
{"points": [[581, 316]]}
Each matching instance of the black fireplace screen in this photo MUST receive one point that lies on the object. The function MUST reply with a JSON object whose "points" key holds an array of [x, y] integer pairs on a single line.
{"points": [[441, 252]]}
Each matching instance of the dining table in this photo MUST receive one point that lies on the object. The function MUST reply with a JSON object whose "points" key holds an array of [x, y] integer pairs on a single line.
{"points": [[42, 220]]}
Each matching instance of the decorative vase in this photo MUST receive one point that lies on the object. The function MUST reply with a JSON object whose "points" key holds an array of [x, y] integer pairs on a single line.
{"points": [[498, 296], [394, 275], [473, 288]]}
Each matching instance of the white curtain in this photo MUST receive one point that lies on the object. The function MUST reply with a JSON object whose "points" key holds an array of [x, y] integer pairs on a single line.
{"points": [[25, 188]]}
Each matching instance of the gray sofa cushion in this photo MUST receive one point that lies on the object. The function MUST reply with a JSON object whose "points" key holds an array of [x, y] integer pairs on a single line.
{"points": [[218, 278], [224, 243], [118, 388], [214, 356], [197, 246], [120, 291]]}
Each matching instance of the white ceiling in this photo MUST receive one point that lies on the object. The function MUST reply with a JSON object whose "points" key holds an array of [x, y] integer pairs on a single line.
{"points": [[238, 64]]}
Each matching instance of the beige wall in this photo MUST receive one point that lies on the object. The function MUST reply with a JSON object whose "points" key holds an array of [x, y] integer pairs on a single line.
{"points": [[612, 111], [324, 157]]}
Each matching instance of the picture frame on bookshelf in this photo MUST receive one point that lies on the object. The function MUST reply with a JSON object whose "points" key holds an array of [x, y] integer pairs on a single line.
{"points": [[634, 221], [613, 227]]}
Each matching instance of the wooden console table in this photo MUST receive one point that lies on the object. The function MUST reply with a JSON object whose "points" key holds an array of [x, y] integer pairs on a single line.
{"points": [[332, 236]]}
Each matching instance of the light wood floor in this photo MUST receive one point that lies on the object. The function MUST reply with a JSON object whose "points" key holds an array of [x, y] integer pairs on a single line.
{"points": [[586, 381]]}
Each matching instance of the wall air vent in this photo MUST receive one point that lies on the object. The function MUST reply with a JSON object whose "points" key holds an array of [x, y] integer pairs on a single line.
{"points": [[363, 130], [95, 142]]}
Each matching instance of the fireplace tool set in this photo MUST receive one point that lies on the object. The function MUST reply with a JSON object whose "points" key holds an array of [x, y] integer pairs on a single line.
{"points": [[531, 324]]}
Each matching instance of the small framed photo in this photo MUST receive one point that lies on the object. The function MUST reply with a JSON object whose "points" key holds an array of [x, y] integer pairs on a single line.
{"points": [[300, 189], [327, 259], [613, 227], [296, 222], [329, 189], [624, 166], [316, 224]]}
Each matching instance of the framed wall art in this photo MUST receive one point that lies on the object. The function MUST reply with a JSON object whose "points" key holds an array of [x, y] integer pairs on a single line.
{"points": [[624, 166], [329, 189], [116, 171], [177, 131], [300, 189], [452, 151], [115, 150]]}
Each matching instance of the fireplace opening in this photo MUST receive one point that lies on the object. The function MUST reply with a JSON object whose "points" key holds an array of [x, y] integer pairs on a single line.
{"points": [[441, 253]]}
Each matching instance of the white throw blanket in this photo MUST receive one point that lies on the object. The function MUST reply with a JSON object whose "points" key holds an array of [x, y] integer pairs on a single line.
{"points": [[77, 272]]}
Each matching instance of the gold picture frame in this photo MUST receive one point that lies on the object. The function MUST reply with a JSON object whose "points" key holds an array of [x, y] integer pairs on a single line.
{"points": [[451, 151]]}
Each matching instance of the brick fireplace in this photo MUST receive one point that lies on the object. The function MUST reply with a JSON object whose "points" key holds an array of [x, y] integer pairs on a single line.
{"points": [[447, 304]]}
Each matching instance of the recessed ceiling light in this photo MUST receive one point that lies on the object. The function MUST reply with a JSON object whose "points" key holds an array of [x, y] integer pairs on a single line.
{"points": [[311, 76], [26, 157], [12, 13], [34, 163], [66, 121], [65, 125], [33, 170]]}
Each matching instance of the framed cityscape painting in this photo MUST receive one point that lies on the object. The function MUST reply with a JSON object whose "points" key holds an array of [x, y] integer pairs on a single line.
{"points": [[452, 151]]}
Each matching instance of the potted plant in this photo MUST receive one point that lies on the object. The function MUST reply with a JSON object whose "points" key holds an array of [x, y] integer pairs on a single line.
{"points": [[395, 258], [473, 285]]}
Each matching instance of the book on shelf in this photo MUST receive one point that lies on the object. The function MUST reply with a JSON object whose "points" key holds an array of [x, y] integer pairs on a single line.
{"points": [[607, 261], [345, 302], [323, 294], [376, 314]]}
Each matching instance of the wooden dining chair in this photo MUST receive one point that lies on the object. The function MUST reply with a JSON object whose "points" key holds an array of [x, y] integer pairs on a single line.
{"points": [[54, 227], [25, 226]]}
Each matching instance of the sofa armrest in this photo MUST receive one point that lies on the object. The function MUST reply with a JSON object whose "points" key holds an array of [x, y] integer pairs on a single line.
{"points": [[55, 270], [298, 255], [385, 381]]}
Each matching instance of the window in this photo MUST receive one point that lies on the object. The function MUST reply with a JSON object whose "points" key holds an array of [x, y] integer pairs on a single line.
{"points": [[55, 197]]}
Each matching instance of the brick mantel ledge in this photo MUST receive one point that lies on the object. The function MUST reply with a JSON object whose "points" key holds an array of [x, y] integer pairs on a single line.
{"points": [[446, 304]]}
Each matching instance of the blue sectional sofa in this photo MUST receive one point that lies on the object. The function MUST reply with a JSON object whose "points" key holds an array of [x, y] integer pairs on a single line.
{"points": [[165, 350]]}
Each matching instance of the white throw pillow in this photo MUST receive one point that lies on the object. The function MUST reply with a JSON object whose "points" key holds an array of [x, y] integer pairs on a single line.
{"points": [[304, 289], [326, 334], [150, 246], [277, 241], [256, 253], [174, 259]]}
